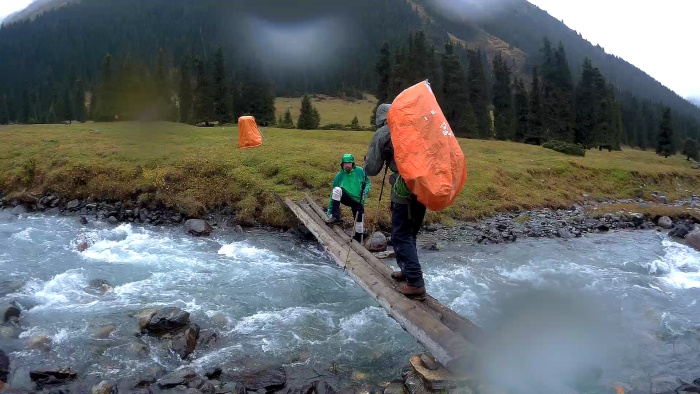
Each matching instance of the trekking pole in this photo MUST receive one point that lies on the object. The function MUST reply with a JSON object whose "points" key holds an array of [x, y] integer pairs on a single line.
{"points": [[354, 225]]}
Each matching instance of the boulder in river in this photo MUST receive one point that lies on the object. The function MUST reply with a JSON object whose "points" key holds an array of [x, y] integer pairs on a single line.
{"points": [[112, 220], [637, 219], [185, 342], [179, 378], [198, 227], [82, 220], [19, 210], [144, 317], [269, 379], [4, 366], [665, 222], [104, 387], [679, 231], [376, 243], [51, 376], [10, 311], [40, 342], [100, 285], [168, 319], [693, 239], [73, 204], [105, 331]]}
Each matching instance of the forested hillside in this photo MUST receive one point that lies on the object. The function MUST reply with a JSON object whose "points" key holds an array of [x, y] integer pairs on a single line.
{"points": [[214, 60]]}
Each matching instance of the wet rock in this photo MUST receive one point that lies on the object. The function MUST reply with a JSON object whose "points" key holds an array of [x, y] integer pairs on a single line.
{"points": [[105, 331], [564, 233], [113, 220], [168, 319], [138, 349], [269, 379], [184, 343], [429, 362], [207, 387], [213, 373], [39, 342], [10, 331], [104, 387], [665, 222], [179, 378], [143, 214], [73, 204], [376, 243], [20, 210], [693, 239], [602, 226], [10, 311], [53, 211], [4, 366], [322, 387], [679, 231], [144, 317], [82, 220], [238, 229], [395, 388], [637, 219], [208, 339], [100, 285], [432, 246], [233, 387], [51, 376], [198, 227]]}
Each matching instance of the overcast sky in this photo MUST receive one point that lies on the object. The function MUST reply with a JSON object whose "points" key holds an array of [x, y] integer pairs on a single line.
{"points": [[660, 37]]}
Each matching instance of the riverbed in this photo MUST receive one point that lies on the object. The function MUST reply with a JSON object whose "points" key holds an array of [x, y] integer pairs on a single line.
{"points": [[614, 309]]}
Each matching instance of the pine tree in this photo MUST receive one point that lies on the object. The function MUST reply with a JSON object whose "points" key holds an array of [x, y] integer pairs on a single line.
{"points": [[203, 104], [220, 89], [664, 145], [256, 97], [454, 91], [467, 121], [400, 75], [4, 110], [690, 149], [502, 99], [383, 69], [587, 106], [521, 110], [308, 115], [66, 105], [288, 121], [478, 92], [105, 100], [79, 101], [185, 91], [26, 107], [535, 122], [355, 124]]}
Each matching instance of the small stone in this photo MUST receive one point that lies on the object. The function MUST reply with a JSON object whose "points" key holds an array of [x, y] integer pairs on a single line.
{"points": [[184, 343], [82, 220], [11, 310], [112, 220], [238, 229], [213, 373], [429, 362], [104, 387], [19, 210], [198, 227], [40, 342], [376, 243], [665, 222], [395, 388], [169, 319], [4, 367], [73, 204]]}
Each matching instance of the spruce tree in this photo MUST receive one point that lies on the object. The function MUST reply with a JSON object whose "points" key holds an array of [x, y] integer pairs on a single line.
{"points": [[79, 100], [383, 69], [535, 122], [467, 121], [4, 110], [355, 124], [288, 121], [185, 91], [400, 75], [26, 107], [690, 149], [66, 105], [256, 96], [105, 110], [587, 103], [220, 89], [454, 91], [203, 104], [521, 108], [308, 115], [478, 92], [502, 99], [664, 145]]}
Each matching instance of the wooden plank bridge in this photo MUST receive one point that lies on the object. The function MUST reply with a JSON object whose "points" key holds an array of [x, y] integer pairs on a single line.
{"points": [[452, 339]]}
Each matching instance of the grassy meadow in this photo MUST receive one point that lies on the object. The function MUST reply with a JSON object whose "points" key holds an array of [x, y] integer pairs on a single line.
{"points": [[332, 109], [195, 169]]}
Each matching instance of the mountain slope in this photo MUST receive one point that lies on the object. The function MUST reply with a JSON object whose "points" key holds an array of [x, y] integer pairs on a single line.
{"points": [[36, 8], [695, 100]]}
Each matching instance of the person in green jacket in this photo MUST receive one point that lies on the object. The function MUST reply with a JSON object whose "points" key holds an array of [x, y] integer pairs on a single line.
{"points": [[347, 190]]}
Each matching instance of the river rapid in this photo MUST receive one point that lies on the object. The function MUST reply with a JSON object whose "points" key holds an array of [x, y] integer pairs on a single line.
{"points": [[603, 310]]}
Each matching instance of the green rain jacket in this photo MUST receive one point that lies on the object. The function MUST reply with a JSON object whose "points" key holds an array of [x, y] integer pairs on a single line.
{"points": [[351, 182]]}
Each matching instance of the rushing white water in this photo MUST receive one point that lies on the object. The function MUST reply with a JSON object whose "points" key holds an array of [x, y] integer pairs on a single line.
{"points": [[624, 303]]}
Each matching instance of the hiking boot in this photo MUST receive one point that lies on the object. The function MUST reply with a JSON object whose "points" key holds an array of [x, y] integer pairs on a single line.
{"points": [[398, 276], [412, 292], [331, 220]]}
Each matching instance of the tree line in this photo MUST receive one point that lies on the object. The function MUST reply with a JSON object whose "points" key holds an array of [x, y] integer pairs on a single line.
{"points": [[485, 101]]}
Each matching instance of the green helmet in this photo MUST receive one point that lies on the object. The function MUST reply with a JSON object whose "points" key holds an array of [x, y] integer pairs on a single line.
{"points": [[348, 158]]}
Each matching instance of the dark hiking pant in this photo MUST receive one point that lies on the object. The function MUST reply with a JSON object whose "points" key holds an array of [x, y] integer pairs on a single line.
{"points": [[356, 207], [406, 220]]}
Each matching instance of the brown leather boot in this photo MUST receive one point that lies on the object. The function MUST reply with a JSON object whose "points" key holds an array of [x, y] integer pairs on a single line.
{"points": [[410, 291], [398, 276]]}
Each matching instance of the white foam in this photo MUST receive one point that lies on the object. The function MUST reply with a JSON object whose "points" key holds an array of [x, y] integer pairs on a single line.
{"points": [[23, 235], [681, 265], [62, 291], [276, 319]]}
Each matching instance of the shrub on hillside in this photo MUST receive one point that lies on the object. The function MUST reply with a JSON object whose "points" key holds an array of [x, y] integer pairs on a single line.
{"points": [[565, 148]]}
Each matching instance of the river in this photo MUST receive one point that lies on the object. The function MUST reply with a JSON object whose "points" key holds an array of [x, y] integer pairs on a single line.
{"points": [[617, 309]]}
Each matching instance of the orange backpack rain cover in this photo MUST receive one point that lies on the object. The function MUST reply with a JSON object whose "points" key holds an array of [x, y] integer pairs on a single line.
{"points": [[426, 151], [248, 134]]}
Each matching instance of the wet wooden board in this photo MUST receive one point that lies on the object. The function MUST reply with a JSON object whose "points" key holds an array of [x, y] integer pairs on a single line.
{"points": [[444, 333]]}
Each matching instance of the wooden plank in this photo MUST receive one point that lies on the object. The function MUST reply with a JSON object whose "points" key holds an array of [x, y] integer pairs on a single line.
{"points": [[449, 348], [452, 319]]}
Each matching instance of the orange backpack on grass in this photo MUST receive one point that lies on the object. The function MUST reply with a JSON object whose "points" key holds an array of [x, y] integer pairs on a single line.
{"points": [[426, 152], [249, 135]]}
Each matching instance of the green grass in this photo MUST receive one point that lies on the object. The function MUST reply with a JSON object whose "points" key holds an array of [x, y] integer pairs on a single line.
{"points": [[332, 110], [193, 169]]}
